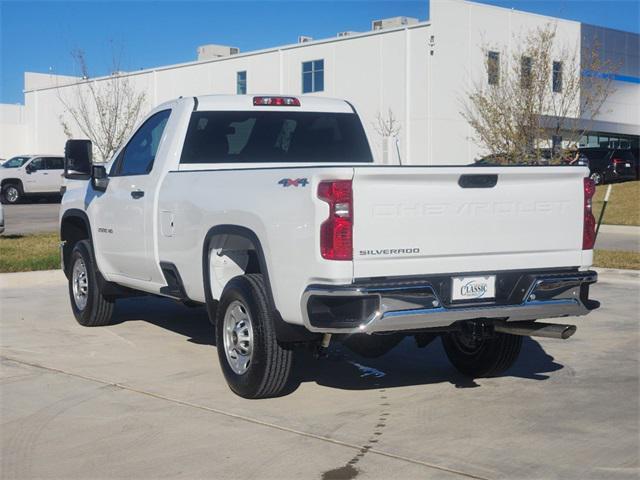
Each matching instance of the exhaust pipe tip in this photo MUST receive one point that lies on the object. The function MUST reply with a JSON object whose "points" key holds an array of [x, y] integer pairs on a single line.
{"points": [[536, 329], [568, 331]]}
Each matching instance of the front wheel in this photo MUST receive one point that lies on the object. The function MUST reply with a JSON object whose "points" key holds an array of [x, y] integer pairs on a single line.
{"points": [[11, 194], [254, 363], [90, 307], [482, 357]]}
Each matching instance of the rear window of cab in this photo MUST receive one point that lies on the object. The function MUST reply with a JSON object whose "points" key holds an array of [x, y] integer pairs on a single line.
{"points": [[275, 137]]}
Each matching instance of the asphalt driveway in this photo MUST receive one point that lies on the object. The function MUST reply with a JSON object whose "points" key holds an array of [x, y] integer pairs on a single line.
{"points": [[145, 398], [28, 218]]}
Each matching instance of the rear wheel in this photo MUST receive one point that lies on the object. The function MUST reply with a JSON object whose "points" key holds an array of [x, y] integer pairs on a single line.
{"points": [[11, 194], [254, 363], [482, 357], [90, 307]]}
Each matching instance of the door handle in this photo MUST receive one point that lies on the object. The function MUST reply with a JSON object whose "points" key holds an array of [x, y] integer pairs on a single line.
{"points": [[137, 194]]}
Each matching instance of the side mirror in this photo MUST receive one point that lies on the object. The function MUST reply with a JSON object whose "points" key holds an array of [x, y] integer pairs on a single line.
{"points": [[99, 178], [29, 169], [78, 156]]}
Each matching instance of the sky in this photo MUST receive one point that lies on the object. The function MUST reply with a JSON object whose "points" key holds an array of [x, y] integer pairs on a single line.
{"points": [[40, 36]]}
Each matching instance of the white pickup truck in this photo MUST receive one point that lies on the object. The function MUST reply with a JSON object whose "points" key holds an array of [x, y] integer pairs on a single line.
{"points": [[30, 175], [270, 211]]}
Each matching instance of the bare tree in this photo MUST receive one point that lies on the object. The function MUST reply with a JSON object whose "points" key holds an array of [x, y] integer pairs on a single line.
{"points": [[105, 110], [388, 127], [541, 90]]}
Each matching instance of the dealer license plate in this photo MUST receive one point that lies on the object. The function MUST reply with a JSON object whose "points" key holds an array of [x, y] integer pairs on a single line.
{"points": [[472, 288]]}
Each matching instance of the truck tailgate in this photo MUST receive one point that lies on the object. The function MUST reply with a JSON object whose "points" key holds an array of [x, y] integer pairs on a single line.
{"points": [[420, 220]]}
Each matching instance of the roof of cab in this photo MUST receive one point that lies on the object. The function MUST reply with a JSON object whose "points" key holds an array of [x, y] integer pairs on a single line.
{"points": [[33, 155], [308, 103]]}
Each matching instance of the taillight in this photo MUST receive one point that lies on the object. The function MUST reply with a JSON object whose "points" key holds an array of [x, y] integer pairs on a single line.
{"points": [[336, 232], [589, 225], [276, 101]]}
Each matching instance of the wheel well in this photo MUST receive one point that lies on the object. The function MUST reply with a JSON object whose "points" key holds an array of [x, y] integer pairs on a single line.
{"points": [[230, 255], [72, 230], [248, 257], [11, 181]]}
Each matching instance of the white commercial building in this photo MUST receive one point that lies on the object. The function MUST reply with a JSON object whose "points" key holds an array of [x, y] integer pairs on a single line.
{"points": [[419, 71]]}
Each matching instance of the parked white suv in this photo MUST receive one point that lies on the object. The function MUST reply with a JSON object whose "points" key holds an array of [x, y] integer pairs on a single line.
{"points": [[30, 175], [270, 211]]}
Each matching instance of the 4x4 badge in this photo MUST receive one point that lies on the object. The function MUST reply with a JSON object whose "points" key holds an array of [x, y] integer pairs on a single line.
{"points": [[298, 182]]}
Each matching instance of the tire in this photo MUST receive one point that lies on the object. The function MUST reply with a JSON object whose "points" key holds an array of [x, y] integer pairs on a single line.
{"points": [[486, 358], [90, 307], [372, 346], [12, 194], [254, 363], [597, 178]]}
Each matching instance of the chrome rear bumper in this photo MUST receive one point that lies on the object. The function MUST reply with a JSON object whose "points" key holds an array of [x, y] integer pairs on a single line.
{"points": [[420, 304]]}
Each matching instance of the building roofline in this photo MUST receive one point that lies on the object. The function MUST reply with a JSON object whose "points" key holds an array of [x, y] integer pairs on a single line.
{"points": [[471, 2], [488, 5], [609, 28], [251, 53]]}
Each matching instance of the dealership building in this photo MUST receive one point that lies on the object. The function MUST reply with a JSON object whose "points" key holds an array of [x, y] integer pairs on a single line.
{"points": [[416, 71]]}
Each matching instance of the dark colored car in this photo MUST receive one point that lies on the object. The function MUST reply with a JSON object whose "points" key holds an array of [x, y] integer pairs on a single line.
{"points": [[610, 164]]}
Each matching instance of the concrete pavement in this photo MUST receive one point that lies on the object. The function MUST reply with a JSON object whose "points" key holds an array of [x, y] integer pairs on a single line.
{"points": [[145, 398]]}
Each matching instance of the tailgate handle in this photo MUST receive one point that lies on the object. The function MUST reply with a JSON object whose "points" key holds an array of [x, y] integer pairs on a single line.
{"points": [[478, 181]]}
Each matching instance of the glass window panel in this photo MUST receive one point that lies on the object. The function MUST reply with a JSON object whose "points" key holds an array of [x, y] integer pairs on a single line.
{"points": [[140, 152], [241, 83], [557, 77], [37, 164], [493, 68], [275, 137], [525, 72], [318, 81], [307, 82]]}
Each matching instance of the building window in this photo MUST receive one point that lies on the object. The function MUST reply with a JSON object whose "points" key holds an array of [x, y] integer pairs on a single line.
{"points": [[493, 68], [557, 77], [313, 76], [241, 83], [525, 72]]}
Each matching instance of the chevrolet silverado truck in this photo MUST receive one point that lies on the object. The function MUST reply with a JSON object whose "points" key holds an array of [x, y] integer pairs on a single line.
{"points": [[270, 211], [30, 175]]}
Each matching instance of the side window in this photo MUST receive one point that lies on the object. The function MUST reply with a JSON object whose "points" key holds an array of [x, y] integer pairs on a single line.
{"points": [[37, 164], [493, 68], [241, 82], [54, 163], [140, 153], [625, 155], [313, 76]]}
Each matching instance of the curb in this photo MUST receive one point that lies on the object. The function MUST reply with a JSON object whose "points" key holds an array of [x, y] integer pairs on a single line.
{"points": [[617, 275]]}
